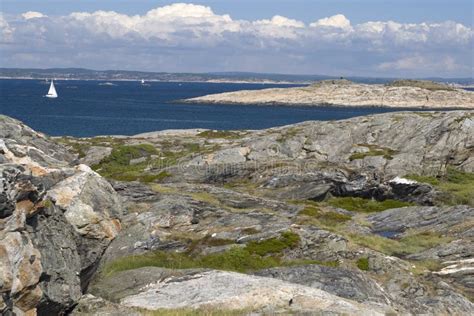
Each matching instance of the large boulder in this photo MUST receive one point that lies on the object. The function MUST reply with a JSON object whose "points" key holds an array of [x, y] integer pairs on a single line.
{"points": [[56, 220]]}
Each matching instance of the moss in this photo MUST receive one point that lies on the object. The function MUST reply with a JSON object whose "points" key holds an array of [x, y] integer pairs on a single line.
{"points": [[219, 134], [373, 151], [357, 204], [363, 264], [47, 203], [457, 187]]}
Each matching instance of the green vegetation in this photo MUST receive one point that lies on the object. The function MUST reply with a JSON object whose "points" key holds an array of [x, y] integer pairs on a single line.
{"points": [[327, 218], [410, 244], [373, 151], [363, 264], [81, 146], [123, 154], [424, 84], [219, 134], [357, 204], [287, 240], [422, 266], [249, 231], [288, 134], [254, 256], [202, 311], [457, 187], [117, 164], [47, 203]]}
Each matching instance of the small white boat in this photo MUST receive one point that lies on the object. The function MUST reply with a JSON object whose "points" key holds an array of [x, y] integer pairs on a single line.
{"points": [[143, 81], [52, 91]]}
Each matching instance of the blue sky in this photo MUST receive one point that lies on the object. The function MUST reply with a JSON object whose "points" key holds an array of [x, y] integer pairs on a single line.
{"points": [[406, 11], [347, 37]]}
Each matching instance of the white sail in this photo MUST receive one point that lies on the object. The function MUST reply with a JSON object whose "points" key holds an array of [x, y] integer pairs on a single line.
{"points": [[143, 81], [52, 91]]}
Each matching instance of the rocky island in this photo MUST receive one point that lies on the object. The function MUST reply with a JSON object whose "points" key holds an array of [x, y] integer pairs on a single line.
{"points": [[368, 216], [398, 94]]}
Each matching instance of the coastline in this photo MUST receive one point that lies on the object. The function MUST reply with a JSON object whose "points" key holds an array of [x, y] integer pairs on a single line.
{"points": [[343, 93]]}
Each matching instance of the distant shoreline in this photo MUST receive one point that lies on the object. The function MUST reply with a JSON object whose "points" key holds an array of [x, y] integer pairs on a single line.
{"points": [[409, 94], [158, 80]]}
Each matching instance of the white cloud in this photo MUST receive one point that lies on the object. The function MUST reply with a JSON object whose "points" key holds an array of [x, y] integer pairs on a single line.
{"points": [[187, 37], [32, 15], [338, 21], [413, 63]]}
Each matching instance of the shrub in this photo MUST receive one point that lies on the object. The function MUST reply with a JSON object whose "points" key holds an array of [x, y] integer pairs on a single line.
{"points": [[363, 264]]}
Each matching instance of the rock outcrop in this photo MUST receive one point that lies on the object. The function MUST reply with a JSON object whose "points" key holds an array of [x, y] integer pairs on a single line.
{"points": [[56, 220], [344, 217], [346, 93]]}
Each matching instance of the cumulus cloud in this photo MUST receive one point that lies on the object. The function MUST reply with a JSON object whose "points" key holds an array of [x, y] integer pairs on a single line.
{"points": [[338, 21], [32, 15], [187, 37]]}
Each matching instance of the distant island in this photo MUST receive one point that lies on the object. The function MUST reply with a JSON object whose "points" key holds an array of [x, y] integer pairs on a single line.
{"points": [[396, 94], [211, 77]]}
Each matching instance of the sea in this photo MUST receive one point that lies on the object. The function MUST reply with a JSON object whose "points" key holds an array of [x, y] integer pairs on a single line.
{"points": [[91, 108]]}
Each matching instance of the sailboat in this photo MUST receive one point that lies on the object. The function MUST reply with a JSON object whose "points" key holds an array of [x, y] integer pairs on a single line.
{"points": [[52, 91], [143, 81]]}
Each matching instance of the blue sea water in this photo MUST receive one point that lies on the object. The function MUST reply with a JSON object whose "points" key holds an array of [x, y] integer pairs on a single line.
{"points": [[89, 108]]}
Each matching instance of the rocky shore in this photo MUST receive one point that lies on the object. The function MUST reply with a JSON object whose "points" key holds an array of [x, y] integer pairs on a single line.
{"points": [[368, 216], [398, 94]]}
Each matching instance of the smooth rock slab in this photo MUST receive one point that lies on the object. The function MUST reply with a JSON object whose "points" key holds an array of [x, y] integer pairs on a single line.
{"points": [[230, 290]]}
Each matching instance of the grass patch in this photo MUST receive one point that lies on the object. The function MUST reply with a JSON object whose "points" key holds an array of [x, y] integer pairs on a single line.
{"points": [[202, 311], [117, 165], [456, 187], [423, 266], [124, 153], [373, 151], [235, 259], [363, 264], [424, 84], [287, 240], [205, 197], [288, 134], [249, 231], [407, 245], [254, 256], [219, 134], [147, 178], [357, 204], [325, 218]]}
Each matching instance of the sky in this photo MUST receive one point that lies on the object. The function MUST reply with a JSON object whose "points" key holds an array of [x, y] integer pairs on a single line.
{"points": [[404, 38]]}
